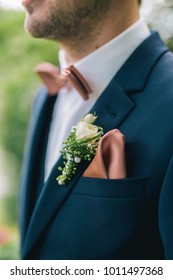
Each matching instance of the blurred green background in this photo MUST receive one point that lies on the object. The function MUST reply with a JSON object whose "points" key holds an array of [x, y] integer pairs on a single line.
{"points": [[19, 53]]}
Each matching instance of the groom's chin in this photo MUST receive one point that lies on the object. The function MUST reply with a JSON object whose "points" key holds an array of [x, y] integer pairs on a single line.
{"points": [[32, 27]]}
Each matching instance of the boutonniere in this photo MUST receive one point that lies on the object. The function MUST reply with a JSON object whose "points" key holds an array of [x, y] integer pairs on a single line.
{"points": [[81, 144]]}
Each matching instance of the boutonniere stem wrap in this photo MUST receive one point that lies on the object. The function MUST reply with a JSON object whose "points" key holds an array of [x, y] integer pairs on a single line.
{"points": [[81, 144]]}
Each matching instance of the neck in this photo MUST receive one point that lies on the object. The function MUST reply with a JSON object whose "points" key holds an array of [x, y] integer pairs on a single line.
{"points": [[116, 21]]}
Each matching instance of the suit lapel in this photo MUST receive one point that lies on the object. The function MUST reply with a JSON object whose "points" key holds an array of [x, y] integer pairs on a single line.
{"points": [[134, 74], [33, 155], [113, 106]]}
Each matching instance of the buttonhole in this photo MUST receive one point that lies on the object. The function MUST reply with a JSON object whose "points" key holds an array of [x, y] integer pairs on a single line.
{"points": [[111, 111], [114, 115]]}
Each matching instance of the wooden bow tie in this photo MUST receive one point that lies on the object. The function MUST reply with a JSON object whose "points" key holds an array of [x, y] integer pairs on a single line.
{"points": [[55, 80]]}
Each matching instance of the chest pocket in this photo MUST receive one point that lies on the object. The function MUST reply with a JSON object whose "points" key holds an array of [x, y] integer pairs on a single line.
{"points": [[111, 188]]}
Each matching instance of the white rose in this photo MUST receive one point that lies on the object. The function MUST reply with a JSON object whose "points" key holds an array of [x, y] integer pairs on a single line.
{"points": [[86, 130], [89, 118]]}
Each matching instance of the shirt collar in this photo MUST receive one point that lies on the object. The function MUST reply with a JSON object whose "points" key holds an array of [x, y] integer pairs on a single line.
{"points": [[100, 66]]}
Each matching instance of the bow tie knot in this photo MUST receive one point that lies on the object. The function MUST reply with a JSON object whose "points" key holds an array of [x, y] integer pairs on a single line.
{"points": [[54, 79]]}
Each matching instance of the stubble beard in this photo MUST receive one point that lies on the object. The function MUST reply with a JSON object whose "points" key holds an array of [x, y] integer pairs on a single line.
{"points": [[69, 25]]}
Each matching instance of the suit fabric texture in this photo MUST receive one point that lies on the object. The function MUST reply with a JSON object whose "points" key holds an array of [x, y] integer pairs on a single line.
{"points": [[92, 218]]}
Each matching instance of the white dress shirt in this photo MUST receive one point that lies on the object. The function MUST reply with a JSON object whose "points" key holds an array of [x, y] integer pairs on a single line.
{"points": [[98, 68]]}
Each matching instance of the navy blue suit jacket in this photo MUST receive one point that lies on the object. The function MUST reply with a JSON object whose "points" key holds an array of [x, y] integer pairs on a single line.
{"points": [[94, 218]]}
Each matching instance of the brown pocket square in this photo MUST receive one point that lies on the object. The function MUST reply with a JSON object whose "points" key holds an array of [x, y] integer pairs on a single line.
{"points": [[109, 161]]}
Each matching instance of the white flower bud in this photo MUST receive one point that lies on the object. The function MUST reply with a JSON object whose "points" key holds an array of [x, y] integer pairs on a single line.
{"points": [[60, 182], [89, 118]]}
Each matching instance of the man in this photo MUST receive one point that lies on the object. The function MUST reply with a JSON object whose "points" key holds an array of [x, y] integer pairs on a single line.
{"points": [[130, 72]]}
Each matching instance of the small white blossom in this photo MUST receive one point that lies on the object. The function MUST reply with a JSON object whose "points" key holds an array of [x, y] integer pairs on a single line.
{"points": [[73, 129], [60, 182], [69, 157]]}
